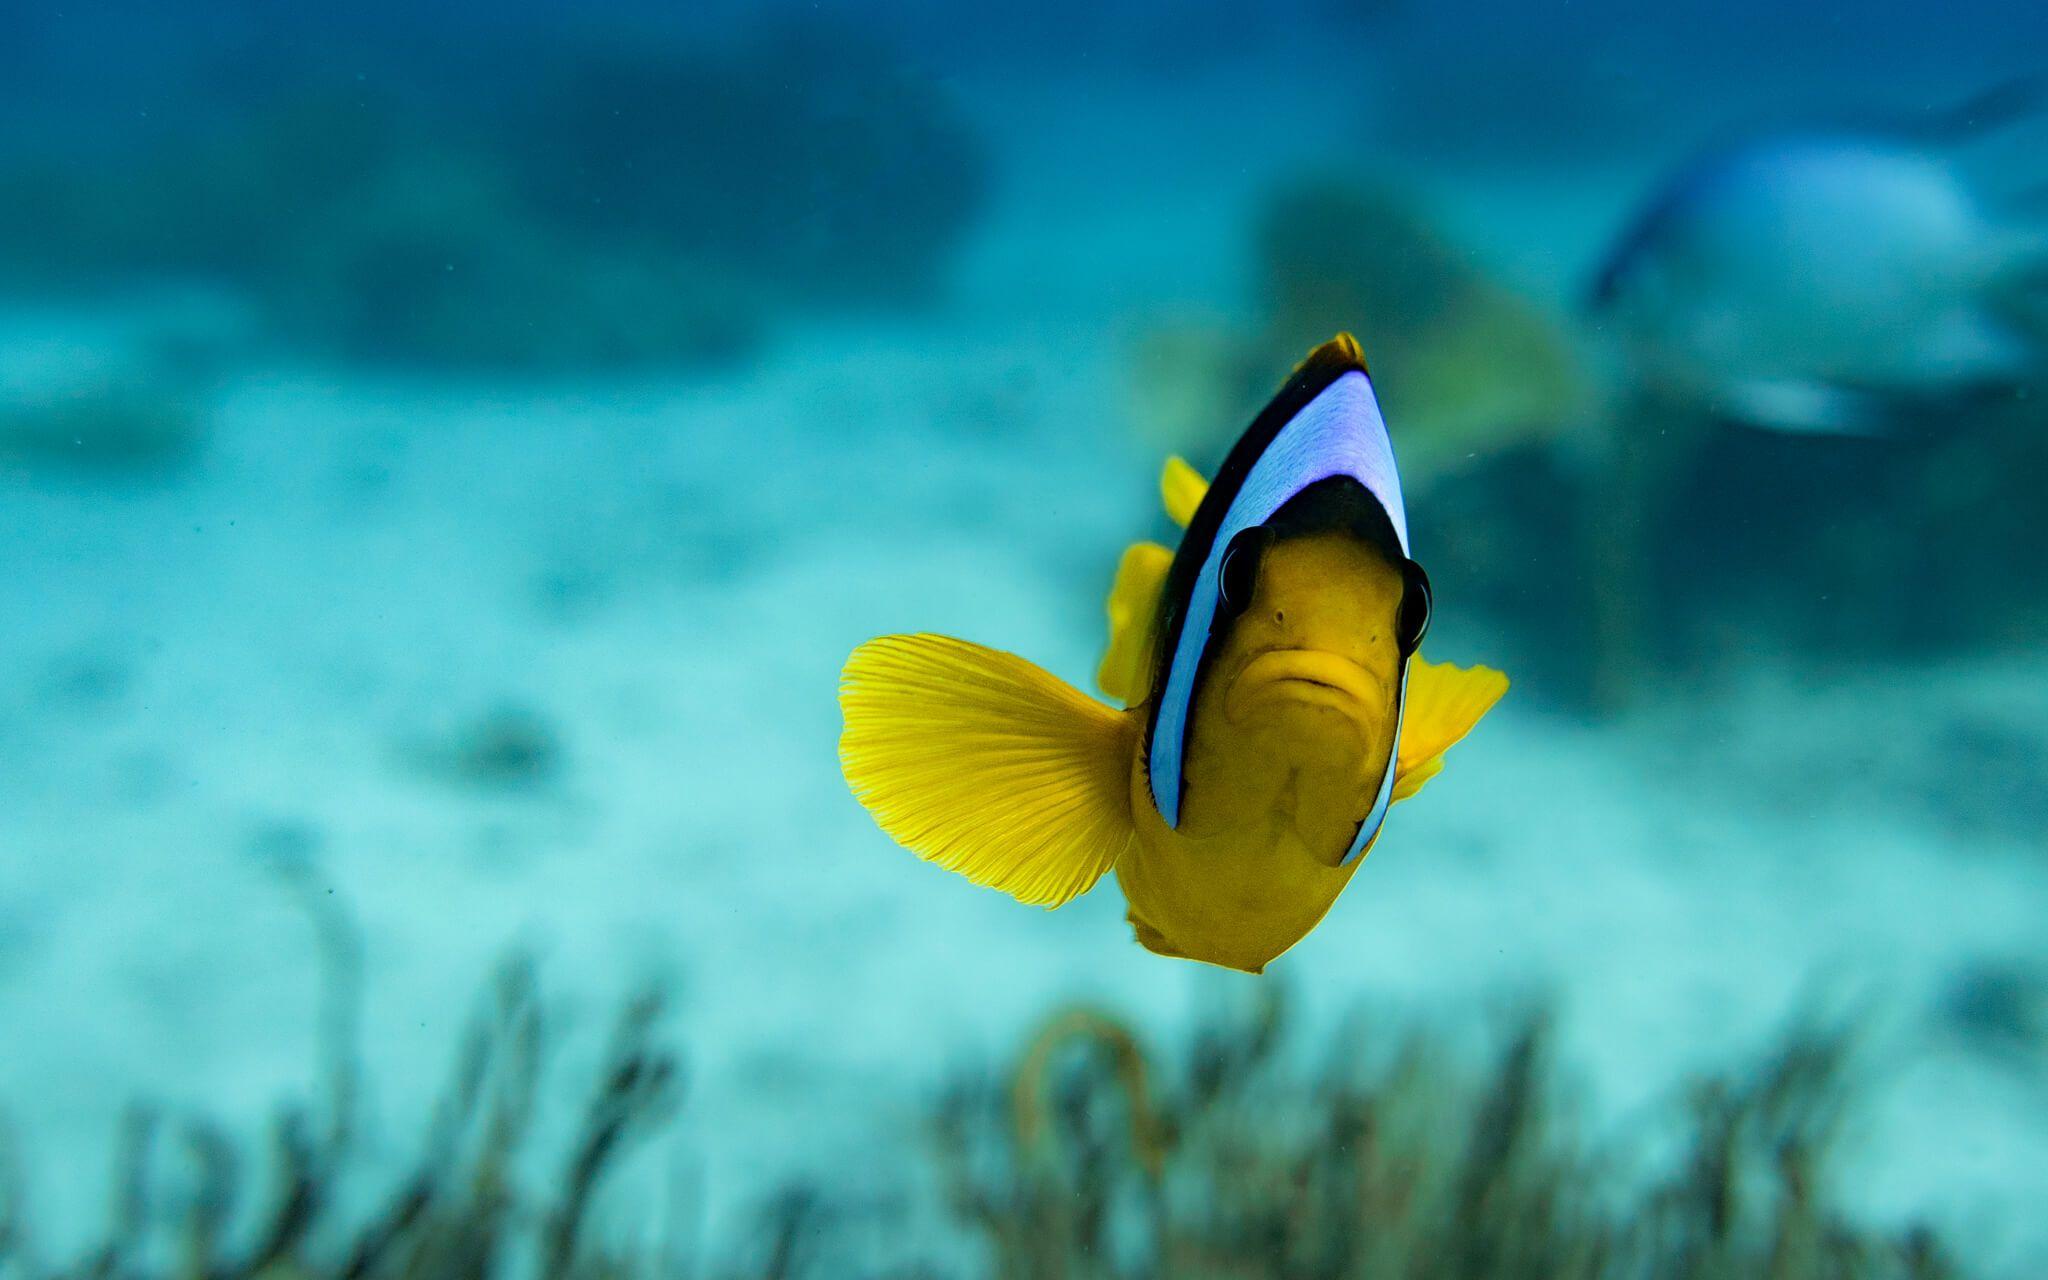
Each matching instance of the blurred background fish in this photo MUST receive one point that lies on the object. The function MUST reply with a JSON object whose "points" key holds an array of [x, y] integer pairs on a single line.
{"points": [[1827, 282], [447, 452]]}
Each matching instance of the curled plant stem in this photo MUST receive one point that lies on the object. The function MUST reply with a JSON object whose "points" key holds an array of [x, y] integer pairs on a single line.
{"points": [[1087, 1026]]}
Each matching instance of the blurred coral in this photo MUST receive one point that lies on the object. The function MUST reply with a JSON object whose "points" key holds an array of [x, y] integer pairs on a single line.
{"points": [[111, 397], [435, 263], [114, 429], [641, 207], [803, 155], [1464, 366], [1998, 1006], [509, 748]]}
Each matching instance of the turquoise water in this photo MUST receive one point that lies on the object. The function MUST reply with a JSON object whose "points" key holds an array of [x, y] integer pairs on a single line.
{"points": [[445, 462]]}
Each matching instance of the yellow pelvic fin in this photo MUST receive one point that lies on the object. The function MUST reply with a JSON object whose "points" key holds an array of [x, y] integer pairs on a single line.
{"points": [[1126, 670], [980, 762], [1444, 702], [1182, 489]]}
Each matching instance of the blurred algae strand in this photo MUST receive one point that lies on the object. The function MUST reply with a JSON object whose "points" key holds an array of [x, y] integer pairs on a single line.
{"points": [[1230, 1160], [1092, 1156]]}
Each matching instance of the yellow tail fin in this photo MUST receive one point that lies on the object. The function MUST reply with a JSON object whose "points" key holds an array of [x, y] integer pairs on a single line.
{"points": [[1444, 702], [982, 763]]}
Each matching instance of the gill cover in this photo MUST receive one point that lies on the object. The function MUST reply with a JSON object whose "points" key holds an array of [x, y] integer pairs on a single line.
{"points": [[1324, 422]]}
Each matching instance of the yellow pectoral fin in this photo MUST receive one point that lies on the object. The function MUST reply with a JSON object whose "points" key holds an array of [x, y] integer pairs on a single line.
{"points": [[1182, 489], [1126, 671], [980, 762], [1409, 781], [1444, 702]]}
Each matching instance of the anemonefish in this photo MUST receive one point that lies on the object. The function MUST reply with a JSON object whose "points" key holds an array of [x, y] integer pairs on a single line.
{"points": [[1274, 702]]}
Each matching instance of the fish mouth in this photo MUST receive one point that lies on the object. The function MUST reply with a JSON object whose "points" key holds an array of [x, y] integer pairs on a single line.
{"points": [[1312, 677]]}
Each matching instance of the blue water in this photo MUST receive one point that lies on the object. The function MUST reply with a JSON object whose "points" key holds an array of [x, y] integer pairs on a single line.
{"points": [[445, 460]]}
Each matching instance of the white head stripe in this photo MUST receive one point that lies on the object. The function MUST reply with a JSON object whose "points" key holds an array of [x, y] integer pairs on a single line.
{"points": [[1339, 433]]}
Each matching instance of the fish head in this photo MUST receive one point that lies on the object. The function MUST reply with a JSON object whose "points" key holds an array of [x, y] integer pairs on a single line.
{"points": [[1313, 656], [1277, 661]]}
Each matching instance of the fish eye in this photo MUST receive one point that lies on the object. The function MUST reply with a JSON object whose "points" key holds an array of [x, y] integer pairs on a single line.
{"points": [[1238, 576], [1412, 623]]}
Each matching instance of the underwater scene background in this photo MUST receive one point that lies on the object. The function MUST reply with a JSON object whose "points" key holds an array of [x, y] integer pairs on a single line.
{"points": [[447, 452]]}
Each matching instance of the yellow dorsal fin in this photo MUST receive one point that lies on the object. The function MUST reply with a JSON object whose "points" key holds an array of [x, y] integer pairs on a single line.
{"points": [[1343, 348], [1126, 670], [1444, 702], [1182, 489], [980, 762]]}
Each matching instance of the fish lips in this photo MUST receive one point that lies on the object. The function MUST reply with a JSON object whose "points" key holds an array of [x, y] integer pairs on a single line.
{"points": [[1309, 678]]}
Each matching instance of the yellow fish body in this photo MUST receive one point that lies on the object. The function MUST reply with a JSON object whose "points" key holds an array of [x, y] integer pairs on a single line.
{"points": [[1275, 705]]}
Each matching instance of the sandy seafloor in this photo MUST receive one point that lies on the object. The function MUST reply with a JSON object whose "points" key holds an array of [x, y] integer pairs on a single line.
{"points": [[671, 572]]}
